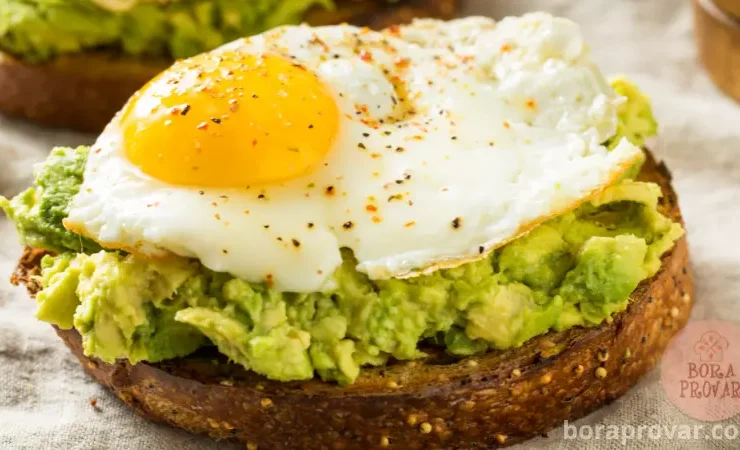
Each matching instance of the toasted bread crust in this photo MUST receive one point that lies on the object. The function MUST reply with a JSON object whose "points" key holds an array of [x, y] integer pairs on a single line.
{"points": [[84, 91], [483, 402]]}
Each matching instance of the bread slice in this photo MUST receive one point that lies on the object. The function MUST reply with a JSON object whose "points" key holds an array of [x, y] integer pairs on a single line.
{"points": [[482, 402], [84, 91]]}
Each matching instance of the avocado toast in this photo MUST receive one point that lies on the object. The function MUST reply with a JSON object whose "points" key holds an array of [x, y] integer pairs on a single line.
{"points": [[472, 347], [75, 63], [488, 401]]}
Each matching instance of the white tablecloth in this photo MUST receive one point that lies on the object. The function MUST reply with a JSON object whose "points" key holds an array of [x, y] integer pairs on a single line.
{"points": [[45, 397]]}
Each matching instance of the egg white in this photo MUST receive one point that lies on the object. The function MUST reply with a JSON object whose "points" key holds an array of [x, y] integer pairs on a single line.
{"points": [[500, 127]]}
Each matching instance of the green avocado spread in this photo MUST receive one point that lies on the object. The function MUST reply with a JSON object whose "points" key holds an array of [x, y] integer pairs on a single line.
{"points": [[575, 270], [38, 30]]}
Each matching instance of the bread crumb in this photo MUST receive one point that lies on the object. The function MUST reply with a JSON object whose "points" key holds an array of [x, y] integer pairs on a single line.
{"points": [[426, 427]]}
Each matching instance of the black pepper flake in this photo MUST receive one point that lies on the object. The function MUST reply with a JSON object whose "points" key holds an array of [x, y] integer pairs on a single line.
{"points": [[454, 138], [310, 127], [366, 134], [185, 110], [226, 252], [348, 225], [481, 249], [265, 226], [255, 96], [280, 239], [202, 192], [261, 196], [387, 133], [456, 223], [216, 120], [310, 224], [296, 243], [400, 149], [361, 145], [329, 190]]}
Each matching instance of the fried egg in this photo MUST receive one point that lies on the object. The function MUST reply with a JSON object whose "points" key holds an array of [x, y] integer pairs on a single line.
{"points": [[418, 148]]}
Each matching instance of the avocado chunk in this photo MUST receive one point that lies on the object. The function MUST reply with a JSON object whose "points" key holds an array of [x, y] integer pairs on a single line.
{"points": [[539, 260], [112, 300], [38, 212], [600, 284]]}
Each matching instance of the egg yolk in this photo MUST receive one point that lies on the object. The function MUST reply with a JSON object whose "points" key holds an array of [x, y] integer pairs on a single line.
{"points": [[230, 120]]}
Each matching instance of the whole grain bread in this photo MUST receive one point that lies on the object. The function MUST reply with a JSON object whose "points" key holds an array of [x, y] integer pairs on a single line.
{"points": [[84, 91], [482, 402]]}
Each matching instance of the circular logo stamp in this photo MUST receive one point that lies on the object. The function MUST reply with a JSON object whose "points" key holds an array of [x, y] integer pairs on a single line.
{"points": [[700, 370]]}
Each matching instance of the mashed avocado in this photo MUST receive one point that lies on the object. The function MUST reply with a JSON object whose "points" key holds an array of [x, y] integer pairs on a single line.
{"points": [[38, 30], [575, 270]]}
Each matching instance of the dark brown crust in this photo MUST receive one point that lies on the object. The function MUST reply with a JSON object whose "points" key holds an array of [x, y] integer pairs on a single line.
{"points": [[497, 399], [84, 91]]}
